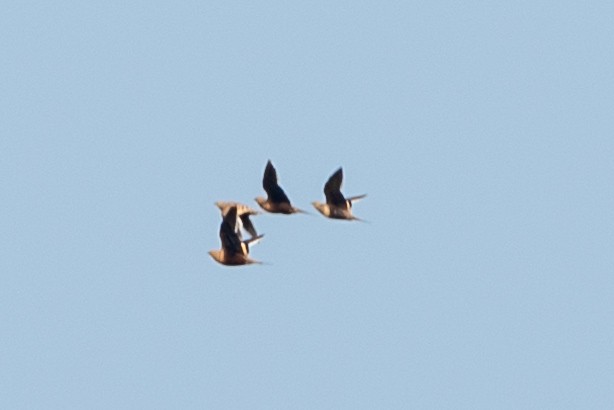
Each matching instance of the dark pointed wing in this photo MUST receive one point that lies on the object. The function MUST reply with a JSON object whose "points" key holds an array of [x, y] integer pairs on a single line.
{"points": [[355, 198], [332, 189], [231, 243], [269, 183], [254, 240], [248, 225]]}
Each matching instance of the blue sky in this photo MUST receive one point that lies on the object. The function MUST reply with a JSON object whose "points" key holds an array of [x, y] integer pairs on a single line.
{"points": [[482, 133]]}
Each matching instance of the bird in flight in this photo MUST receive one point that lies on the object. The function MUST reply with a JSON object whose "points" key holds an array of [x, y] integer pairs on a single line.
{"points": [[337, 206], [277, 201], [234, 251], [243, 214]]}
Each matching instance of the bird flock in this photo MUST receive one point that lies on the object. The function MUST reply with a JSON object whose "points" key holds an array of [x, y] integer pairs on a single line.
{"points": [[236, 216]]}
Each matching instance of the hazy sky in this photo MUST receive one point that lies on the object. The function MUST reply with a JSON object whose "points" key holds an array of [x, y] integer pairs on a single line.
{"points": [[482, 132]]}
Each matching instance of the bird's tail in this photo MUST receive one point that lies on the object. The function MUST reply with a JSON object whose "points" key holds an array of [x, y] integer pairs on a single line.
{"points": [[360, 220], [300, 211]]}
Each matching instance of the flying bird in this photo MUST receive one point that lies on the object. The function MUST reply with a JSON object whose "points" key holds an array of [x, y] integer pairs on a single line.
{"points": [[277, 201], [337, 206], [243, 213], [234, 251]]}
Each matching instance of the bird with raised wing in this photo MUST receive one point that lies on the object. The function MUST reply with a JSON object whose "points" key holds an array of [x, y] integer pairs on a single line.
{"points": [[337, 206], [243, 213], [277, 201], [234, 251]]}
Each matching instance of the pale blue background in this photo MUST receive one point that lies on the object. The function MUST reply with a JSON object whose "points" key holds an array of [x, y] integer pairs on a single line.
{"points": [[483, 133]]}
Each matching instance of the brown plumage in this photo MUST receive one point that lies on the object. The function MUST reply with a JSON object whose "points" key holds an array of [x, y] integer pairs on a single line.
{"points": [[243, 212], [337, 206], [277, 201], [234, 251]]}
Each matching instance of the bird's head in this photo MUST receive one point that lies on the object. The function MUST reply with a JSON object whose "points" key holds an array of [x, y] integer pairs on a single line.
{"points": [[322, 208]]}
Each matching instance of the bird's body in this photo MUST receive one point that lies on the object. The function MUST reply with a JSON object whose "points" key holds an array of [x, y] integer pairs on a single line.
{"points": [[277, 201], [337, 206], [277, 207], [234, 251]]}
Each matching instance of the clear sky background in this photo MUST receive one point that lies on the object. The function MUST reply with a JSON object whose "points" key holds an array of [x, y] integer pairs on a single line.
{"points": [[483, 133]]}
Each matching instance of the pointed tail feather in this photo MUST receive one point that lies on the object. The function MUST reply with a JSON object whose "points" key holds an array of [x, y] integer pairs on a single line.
{"points": [[300, 211], [254, 262], [360, 220]]}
